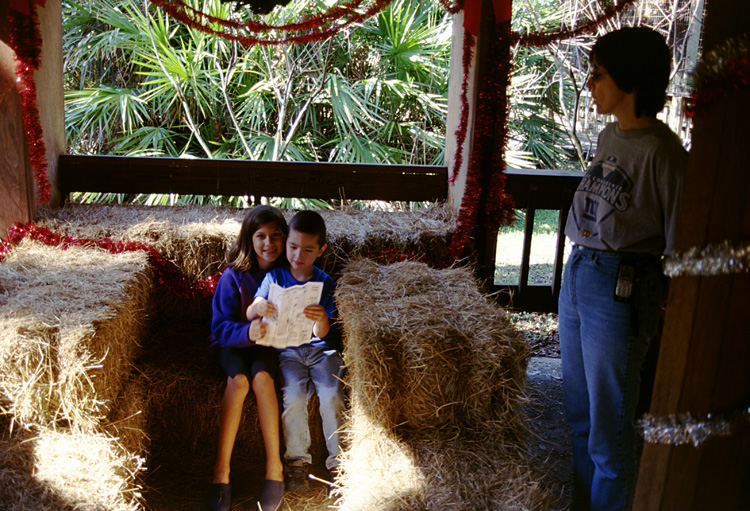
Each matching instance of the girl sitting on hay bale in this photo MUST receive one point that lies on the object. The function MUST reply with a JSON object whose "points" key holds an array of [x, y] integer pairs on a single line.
{"points": [[259, 247]]}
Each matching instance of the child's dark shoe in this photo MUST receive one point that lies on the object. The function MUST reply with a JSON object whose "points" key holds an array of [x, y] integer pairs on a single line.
{"points": [[296, 476], [271, 495], [219, 497]]}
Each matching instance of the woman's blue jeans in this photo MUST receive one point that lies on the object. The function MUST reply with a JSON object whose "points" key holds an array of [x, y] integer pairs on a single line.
{"points": [[306, 370], [603, 344]]}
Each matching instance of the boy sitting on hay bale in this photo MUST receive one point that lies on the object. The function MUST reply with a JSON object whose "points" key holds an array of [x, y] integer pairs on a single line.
{"points": [[315, 363]]}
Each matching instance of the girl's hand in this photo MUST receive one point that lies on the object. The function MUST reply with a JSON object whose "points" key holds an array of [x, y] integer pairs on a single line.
{"points": [[315, 313], [257, 330]]}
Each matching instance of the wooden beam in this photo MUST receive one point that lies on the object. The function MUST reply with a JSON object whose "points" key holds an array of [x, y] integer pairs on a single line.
{"points": [[118, 174], [50, 91]]}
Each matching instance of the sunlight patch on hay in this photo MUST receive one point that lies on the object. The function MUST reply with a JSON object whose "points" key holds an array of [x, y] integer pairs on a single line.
{"points": [[379, 471], [88, 471]]}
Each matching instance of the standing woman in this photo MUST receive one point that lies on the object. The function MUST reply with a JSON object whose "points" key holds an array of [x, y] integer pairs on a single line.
{"points": [[259, 246], [623, 218]]}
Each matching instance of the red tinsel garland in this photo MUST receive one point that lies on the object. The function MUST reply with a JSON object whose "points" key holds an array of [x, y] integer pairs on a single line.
{"points": [[166, 272], [468, 55], [485, 195], [312, 30], [452, 8], [259, 27], [545, 38], [26, 42], [181, 10], [721, 72]]}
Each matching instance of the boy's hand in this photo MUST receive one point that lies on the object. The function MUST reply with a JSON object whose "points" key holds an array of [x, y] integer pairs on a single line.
{"points": [[257, 330], [318, 314], [315, 313], [260, 307]]}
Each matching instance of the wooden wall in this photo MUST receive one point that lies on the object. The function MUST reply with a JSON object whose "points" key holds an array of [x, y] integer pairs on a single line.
{"points": [[16, 185], [704, 360]]}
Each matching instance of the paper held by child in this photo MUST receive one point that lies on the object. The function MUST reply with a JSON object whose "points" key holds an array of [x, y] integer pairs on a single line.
{"points": [[289, 326]]}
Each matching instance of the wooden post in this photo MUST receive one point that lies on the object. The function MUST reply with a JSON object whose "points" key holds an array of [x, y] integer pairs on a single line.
{"points": [[704, 360], [17, 183], [456, 80]]}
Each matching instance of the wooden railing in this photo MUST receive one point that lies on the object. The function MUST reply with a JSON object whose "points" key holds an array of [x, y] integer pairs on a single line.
{"points": [[531, 190], [118, 174], [534, 190]]}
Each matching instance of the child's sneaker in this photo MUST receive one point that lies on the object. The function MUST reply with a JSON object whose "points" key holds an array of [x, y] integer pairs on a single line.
{"points": [[296, 476]]}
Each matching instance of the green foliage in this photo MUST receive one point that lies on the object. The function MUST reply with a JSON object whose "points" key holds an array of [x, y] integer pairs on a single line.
{"points": [[139, 83]]}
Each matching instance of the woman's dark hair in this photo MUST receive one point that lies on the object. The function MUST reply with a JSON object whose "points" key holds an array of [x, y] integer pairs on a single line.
{"points": [[638, 59], [241, 256]]}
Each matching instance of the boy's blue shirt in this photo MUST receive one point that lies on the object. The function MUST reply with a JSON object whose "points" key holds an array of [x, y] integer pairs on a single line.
{"points": [[283, 277]]}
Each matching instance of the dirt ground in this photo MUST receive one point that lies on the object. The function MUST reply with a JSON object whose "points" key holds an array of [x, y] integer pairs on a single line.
{"points": [[548, 439]]}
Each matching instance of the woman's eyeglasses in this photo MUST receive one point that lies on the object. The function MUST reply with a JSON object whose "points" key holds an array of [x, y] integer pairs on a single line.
{"points": [[595, 76]]}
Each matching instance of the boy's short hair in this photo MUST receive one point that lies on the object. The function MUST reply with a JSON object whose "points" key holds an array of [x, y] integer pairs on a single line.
{"points": [[310, 222], [638, 59]]}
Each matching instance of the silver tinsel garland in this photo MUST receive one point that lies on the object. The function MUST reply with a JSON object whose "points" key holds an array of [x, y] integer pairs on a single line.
{"points": [[682, 428], [718, 259]]}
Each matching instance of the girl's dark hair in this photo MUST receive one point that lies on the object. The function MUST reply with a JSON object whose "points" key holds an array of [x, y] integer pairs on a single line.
{"points": [[638, 59], [241, 255]]}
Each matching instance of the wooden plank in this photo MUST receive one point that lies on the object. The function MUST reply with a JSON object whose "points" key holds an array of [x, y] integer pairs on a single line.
{"points": [[259, 178], [540, 188], [50, 91], [557, 273], [528, 234]]}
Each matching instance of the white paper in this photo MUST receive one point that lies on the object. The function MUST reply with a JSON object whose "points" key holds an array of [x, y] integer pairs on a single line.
{"points": [[289, 326]]}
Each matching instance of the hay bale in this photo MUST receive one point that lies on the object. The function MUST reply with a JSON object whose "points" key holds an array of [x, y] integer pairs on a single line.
{"points": [[422, 233], [128, 420], [70, 325], [436, 373], [182, 408], [195, 238], [427, 352]]}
